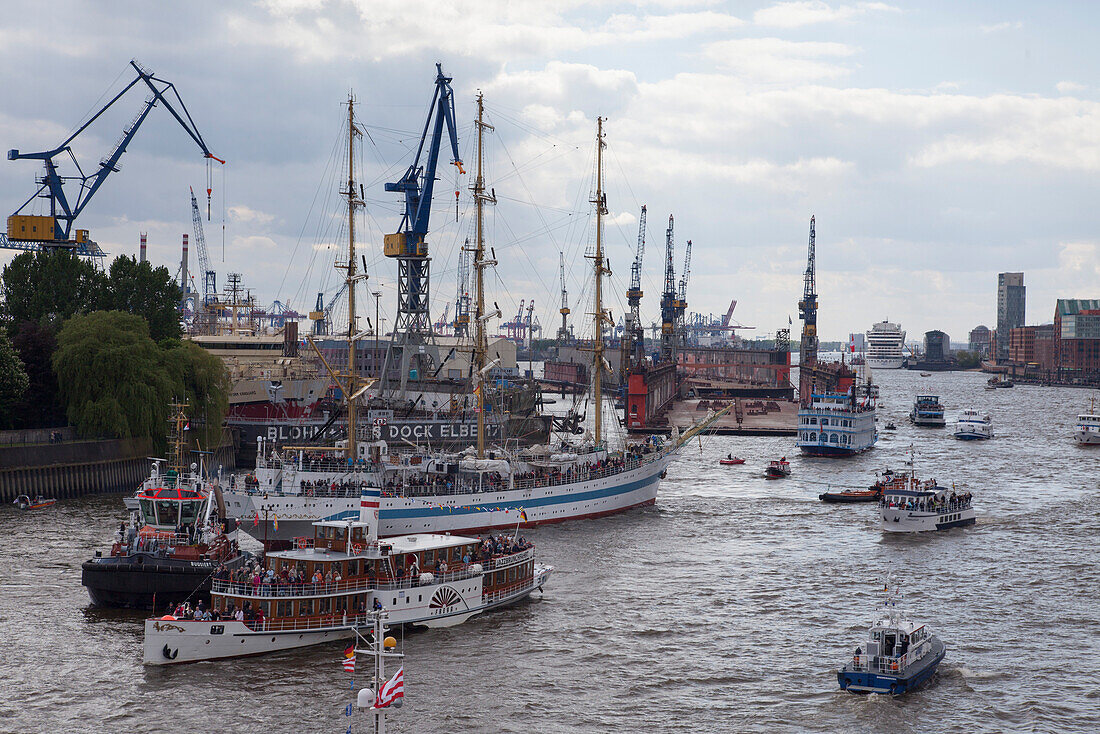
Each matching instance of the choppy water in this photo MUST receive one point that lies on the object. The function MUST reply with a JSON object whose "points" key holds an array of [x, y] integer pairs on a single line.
{"points": [[726, 607]]}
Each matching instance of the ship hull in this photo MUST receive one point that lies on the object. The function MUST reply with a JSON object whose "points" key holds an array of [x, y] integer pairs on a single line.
{"points": [[466, 513], [142, 579], [884, 363]]}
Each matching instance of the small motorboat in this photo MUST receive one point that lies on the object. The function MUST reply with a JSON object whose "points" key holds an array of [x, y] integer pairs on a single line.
{"points": [[731, 460], [891, 427], [897, 656], [925, 374], [871, 494], [778, 469], [23, 502]]}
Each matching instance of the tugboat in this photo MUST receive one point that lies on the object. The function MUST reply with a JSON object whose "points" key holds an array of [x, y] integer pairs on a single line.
{"points": [[927, 411], [898, 655], [322, 589], [911, 506], [973, 425], [778, 469], [23, 502], [173, 544]]}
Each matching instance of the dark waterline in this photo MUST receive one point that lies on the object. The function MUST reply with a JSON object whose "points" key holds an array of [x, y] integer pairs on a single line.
{"points": [[727, 607]]}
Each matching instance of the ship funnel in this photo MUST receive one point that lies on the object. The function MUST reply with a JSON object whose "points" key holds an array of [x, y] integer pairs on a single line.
{"points": [[368, 512]]}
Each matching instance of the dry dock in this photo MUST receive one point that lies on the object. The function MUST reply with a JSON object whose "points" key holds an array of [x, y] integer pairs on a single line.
{"points": [[749, 417]]}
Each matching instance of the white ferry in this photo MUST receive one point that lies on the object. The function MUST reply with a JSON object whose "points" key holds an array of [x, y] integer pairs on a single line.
{"points": [[884, 346], [973, 425], [837, 425], [324, 588], [897, 656], [912, 506], [1087, 431]]}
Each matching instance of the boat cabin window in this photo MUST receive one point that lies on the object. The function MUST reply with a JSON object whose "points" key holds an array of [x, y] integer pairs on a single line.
{"points": [[148, 512], [189, 511], [167, 513]]}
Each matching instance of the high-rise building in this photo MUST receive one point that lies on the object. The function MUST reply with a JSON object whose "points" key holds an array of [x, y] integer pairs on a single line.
{"points": [[937, 346], [1010, 309]]}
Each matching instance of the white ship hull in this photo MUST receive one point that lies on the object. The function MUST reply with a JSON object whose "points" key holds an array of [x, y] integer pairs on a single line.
{"points": [[1088, 436], [454, 513], [884, 363], [900, 520]]}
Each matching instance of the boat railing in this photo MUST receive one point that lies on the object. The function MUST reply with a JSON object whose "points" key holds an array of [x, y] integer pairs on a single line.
{"points": [[942, 506], [504, 592], [305, 624]]}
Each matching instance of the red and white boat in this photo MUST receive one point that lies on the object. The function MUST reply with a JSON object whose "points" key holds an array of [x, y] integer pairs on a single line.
{"points": [[731, 460], [778, 469]]}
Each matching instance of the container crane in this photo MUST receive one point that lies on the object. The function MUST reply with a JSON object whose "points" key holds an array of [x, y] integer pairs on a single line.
{"points": [[632, 345], [807, 311], [563, 330], [668, 299], [31, 232]]}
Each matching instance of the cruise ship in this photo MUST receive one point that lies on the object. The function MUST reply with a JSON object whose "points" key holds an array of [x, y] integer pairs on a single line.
{"points": [[884, 346]]}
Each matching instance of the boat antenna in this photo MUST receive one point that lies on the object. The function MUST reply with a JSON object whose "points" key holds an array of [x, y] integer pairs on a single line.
{"points": [[600, 318]]}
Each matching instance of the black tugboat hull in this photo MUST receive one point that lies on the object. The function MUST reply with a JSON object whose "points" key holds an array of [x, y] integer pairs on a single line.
{"points": [[132, 582]]}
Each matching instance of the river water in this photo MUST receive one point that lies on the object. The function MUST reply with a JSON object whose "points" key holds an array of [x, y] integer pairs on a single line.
{"points": [[725, 608]]}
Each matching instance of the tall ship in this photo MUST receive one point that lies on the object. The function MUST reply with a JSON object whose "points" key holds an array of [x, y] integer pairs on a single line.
{"points": [[837, 405], [885, 346], [424, 488]]}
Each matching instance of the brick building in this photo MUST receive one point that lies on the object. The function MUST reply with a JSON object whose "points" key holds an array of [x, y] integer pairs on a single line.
{"points": [[1077, 335]]}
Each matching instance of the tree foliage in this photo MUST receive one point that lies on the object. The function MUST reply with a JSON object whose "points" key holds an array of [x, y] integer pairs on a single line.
{"points": [[116, 381], [13, 381], [139, 288], [35, 343], [968, 360], [49, 286]]}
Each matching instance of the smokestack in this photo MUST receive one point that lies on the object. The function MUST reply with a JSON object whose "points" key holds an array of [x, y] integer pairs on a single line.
{"points": [[141, 255], [183, 267]]}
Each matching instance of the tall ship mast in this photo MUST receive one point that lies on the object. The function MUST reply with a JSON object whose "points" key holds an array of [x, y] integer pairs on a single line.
{"points": [[599, 270], [481, 342]]}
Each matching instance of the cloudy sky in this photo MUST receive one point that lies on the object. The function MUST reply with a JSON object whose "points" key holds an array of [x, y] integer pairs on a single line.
{"points": [[937, 143]]}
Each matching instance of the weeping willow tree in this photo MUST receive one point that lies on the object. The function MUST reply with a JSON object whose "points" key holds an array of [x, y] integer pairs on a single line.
{"points": [[205, 384], [115, 381]]}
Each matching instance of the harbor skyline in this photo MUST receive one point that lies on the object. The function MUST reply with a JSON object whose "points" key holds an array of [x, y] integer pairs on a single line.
{"points": [[937, 146]]}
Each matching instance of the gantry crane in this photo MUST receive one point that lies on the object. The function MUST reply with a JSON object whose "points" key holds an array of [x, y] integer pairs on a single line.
{"points": [[668, 299], [31, 232], [807, 311], [632, 346], [563, 330]]}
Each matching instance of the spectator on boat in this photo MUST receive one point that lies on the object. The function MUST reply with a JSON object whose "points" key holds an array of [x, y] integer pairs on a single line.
{"points": [[377, 604], [317, 577]]}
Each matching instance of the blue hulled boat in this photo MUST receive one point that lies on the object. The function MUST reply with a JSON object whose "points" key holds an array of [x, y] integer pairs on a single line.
{"points": [[898, 655]]}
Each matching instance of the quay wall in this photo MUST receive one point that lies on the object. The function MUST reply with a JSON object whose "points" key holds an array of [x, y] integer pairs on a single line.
{"points": [[76, 468]]}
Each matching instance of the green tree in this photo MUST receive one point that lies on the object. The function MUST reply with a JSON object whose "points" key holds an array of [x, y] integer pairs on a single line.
{"points": [[49, 285], [40, 407], [968, 360], [13, 381], [112, 376], [145, 291], [205, 383]]}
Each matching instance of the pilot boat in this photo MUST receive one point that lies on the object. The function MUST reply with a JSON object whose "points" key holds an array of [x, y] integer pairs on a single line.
{"points": [[898, 655], [24, 502], [973, 425], [324, 587], [778, 469]]}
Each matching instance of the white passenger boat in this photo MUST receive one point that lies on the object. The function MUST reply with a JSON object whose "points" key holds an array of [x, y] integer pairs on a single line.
{"points": [[911, 506], [973, 425], [324, 587], [1087, 431]]}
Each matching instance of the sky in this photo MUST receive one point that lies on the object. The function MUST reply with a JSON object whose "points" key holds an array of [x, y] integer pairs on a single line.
{"points": [[936, 143]]}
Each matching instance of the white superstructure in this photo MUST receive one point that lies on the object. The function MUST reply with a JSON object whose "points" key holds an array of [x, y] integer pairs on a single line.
{"points": [[973, 425], [884, 346], [1087, 431]]}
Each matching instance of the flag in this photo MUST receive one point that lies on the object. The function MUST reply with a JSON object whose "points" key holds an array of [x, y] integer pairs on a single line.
{"points": [[188, 426], [349, 659], [393, 690], [256, 520], [523, 514], [275, 522], [789, 322]]}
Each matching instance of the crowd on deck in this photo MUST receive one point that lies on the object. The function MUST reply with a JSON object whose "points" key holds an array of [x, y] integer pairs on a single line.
{"points": [[945, 503]]}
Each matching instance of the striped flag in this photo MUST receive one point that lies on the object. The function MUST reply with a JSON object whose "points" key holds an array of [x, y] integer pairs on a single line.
{"points": [[393, 690], [276, 523], [349, 659], [523, 514]]}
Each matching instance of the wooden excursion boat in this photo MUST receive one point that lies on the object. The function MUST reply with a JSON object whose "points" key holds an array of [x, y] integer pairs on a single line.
{"points": [[325, 587]]}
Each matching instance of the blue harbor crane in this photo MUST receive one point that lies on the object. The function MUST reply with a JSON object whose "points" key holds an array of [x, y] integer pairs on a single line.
{"points": [[807, 311], [408, 245], [30, 232]]}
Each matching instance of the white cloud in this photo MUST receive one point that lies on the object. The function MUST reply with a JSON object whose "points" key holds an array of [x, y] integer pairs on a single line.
{"points": [[254, 242], [1005, 25], [242, 213], [1068, 87], [772, 60], [808, 12]]}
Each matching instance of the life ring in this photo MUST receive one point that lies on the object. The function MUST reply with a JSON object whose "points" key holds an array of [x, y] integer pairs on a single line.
{"points": [[357, 548], [300, 543], [170, 654]]}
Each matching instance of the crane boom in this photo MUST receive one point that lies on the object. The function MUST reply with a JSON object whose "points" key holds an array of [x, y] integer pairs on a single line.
{"points": [[563, 331], [210, 286], [807, 311], [64, 211]]}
